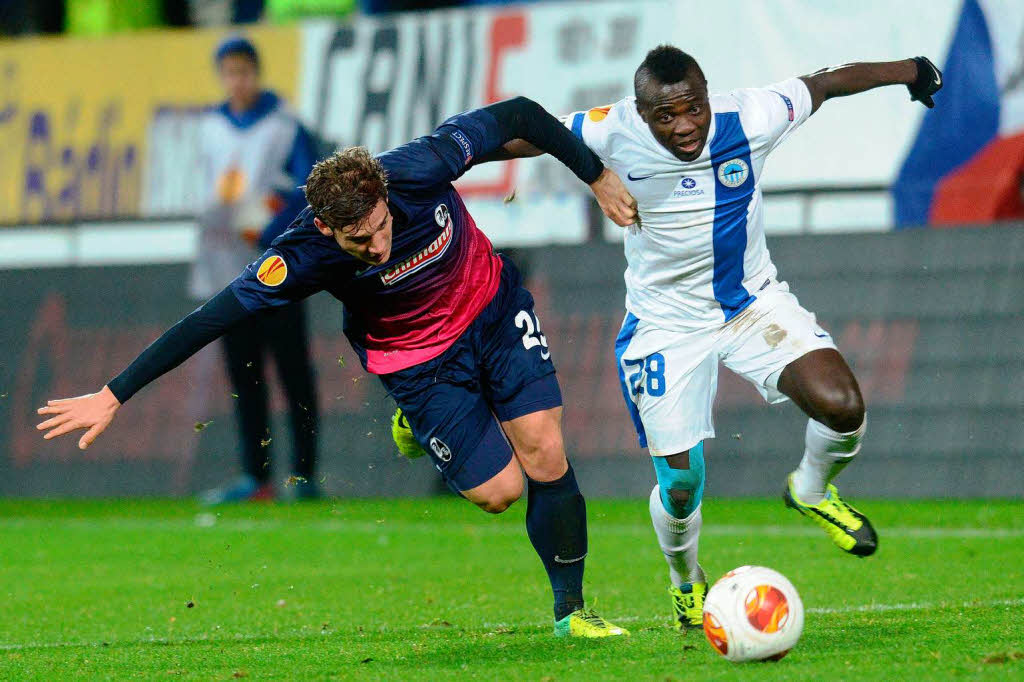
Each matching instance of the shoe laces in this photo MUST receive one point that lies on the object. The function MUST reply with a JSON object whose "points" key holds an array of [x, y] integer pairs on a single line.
{"points": [[837, 510], [589, 616], [684, 600]]}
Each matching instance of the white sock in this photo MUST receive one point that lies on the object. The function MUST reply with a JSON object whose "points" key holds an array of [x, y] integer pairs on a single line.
{"points": [[678, 541], [826, 453]]}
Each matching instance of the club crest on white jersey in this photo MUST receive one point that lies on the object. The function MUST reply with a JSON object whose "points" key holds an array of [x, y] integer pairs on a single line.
{"points": [[700, 257], [733, 172]]}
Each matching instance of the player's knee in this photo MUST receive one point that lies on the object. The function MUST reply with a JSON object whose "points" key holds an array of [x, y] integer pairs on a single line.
{"points": [[843, 409], [502, 495], [498, 503], [544, 458], [682, 485], [679, 497]]}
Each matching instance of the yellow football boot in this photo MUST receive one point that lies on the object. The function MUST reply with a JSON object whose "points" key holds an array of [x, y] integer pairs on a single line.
{"points": [[688, 605], [586, 623], [849, 529]]}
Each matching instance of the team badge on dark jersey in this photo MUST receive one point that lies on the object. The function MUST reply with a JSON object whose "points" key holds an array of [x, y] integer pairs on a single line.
{"points": [[431, 253], [443, 452], [272, 271]]}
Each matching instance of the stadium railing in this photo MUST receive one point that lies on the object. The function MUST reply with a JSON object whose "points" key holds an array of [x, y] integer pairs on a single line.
{"points": [[171, 238]]}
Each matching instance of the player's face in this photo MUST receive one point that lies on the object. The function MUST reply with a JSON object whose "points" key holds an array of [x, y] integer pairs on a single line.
{"points": [[368, 240], [679, 116], [240, 78]]}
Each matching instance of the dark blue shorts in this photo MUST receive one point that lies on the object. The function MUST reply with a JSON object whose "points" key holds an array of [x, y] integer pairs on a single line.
{"points": [[499, 369]]}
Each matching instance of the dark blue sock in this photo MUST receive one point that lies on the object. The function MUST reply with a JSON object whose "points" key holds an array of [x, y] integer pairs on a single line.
{"points": [[556, 521]]}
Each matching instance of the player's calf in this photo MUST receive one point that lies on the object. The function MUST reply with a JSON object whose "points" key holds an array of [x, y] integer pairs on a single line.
{"points": [[823, 386], [826, 453], [675, 513]]}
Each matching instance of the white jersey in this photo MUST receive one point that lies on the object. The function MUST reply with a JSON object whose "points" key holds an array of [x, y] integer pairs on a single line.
{"points": [[700, 256], [244, 160]]}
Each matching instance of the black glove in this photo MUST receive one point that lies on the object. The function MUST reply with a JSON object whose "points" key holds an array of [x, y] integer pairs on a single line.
{"points": [[927, 83]]}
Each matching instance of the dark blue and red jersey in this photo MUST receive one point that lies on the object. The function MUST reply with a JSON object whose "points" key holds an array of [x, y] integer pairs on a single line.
{"points": [[442, 271]]}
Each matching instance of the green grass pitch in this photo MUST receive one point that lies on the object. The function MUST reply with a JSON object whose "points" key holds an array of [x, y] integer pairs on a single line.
{"points": [[434, 589]]}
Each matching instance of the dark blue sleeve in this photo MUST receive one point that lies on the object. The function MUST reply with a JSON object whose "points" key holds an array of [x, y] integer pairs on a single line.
{"points": [[179, 343], [291, 270], [446, 154], [300, 161], [284, 274]]}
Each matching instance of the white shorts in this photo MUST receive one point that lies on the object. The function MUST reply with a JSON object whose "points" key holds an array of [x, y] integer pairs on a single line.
{"points": [[670, 377]]}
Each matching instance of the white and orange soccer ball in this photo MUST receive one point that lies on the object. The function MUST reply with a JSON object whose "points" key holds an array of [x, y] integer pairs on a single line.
{"points": [[753, 614]]}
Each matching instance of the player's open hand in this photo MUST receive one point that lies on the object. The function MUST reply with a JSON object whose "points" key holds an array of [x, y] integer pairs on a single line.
{"points": [[93, 412], [614, 199]]}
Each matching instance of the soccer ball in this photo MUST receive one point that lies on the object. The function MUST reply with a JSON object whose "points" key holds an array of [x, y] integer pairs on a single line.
{"points": [[753, 614]]}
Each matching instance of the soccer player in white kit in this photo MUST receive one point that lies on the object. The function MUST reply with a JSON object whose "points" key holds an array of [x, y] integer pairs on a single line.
{"points": [[701, 289]]}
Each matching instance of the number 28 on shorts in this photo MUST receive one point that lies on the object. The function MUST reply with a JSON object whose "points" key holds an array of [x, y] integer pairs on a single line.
{"points": [[651, 368]]}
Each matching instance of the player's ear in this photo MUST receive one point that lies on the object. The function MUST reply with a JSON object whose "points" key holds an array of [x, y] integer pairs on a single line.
{"points": [[322, 226]]}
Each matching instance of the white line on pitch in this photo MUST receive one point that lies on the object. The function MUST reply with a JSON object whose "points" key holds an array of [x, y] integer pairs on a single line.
{"points": [[243, 637], [862, 608], [913, 606]]}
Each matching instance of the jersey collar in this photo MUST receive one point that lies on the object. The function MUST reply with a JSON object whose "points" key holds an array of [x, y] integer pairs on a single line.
{"points": [[265, 103]]}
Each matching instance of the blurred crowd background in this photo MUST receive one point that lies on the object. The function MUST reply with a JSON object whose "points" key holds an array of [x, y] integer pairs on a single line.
{"points": [[102, 17], [899, 226]]}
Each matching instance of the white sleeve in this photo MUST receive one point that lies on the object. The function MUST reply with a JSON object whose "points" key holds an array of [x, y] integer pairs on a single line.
{"points": [[774, 111], [591, 127]]}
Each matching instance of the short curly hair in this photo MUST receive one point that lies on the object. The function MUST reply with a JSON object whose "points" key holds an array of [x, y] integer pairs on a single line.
{"points": [[345, 187], [664, 65]]}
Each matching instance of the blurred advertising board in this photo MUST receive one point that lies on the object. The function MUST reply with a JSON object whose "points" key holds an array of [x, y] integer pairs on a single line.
{"points": [[381, 81], [76, 117], [104, 127]]}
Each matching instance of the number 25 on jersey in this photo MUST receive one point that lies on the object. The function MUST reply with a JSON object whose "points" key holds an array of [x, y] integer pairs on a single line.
{"points": [[531, 333]]}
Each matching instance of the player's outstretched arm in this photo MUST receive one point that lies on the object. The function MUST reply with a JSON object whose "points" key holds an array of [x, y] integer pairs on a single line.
{"points": [[525, 121], [922, 78], [95, 411], [92, 412], [513, 149], [493, 133], [612, 196]]}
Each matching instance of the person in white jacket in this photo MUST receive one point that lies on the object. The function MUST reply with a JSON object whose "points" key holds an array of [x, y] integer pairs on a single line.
{"points": [[255, 155]]}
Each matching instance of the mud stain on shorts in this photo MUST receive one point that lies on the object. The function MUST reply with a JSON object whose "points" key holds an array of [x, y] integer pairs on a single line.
{"points": [[774, 335]]}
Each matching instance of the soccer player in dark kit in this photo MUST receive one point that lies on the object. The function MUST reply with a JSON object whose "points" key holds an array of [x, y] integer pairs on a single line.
{"points": [[432, 310]]}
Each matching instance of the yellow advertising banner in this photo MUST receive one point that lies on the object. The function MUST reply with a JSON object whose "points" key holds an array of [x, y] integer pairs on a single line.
{"points": [[76, 113]]}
